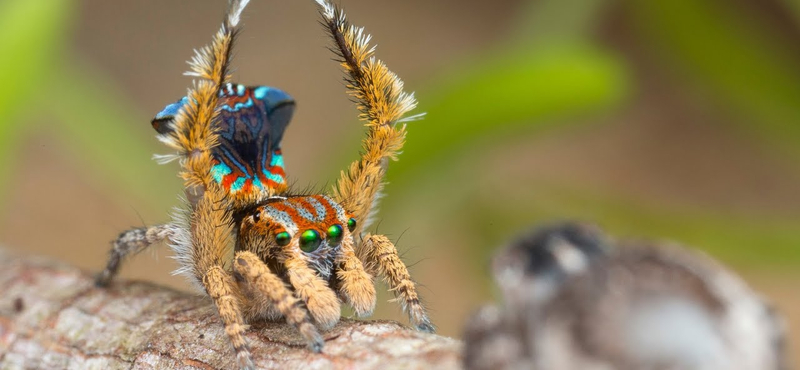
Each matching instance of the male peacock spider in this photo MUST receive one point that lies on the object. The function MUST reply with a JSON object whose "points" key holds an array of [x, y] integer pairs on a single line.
{"points": [[259, 251]]}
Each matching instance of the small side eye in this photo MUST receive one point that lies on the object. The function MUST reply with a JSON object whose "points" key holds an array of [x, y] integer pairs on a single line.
{"points": [[310, 241], [257, 216], [335, 234], [351, 224], [283, 238]]}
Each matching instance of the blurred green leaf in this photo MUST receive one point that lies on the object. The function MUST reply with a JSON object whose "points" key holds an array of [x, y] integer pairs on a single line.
{"points": [[548, 74], [747, 241], [556, 21], [31, 36], [729, 53], [520, 92], [794, 7], [89, 111], [114, 139]]}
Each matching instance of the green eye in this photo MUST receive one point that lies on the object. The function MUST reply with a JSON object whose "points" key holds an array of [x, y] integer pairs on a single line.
{"points": [[351, 224], [335, 234], [283, 238], [309, 241]]}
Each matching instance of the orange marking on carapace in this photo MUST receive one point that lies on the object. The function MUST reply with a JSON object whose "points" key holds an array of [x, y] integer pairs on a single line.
{"points": [[300, 221], [330, 212], [301, 202]]}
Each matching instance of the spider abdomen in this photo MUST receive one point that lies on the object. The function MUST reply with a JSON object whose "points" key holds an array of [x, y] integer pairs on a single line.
{"points": [[247, 162]]}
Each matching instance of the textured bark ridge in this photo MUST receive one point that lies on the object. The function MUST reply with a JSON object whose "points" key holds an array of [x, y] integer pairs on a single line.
{"points": [[52, 317]]}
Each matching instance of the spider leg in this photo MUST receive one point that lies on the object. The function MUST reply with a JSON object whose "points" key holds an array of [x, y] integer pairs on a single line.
{"points": [[257, 275], [202, 241], [221, 287], [207, 240], [383, 254], [131, 242], [320, 299], [356, 285], [382, 103]]}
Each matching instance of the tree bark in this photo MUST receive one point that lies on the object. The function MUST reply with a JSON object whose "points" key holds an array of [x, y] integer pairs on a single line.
{"points": [[52, 317]]}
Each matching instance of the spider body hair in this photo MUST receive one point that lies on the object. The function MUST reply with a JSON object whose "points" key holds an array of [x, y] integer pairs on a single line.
{"points": [[258, 250]]}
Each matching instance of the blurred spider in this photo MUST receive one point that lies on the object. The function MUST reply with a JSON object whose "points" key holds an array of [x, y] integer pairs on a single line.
{"points": [[577, 299], [259, 251]]}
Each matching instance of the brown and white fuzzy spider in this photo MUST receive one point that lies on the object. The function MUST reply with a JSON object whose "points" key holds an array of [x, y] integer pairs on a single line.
{"points": [[258, 251], [576, 299]]}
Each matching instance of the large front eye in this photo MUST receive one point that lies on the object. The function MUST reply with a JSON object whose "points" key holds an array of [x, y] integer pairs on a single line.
{"points": [[310, 241], [335, 234], [283, 238]]}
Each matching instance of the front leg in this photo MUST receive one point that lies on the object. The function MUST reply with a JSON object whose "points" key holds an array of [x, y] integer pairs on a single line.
{"points": [[383, 254], [128, 243], [264, 283], [221, 287], [355, 285], [320, 299]]}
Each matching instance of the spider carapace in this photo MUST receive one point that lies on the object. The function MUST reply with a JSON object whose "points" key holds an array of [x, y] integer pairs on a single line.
{"points": [[258, 250]]}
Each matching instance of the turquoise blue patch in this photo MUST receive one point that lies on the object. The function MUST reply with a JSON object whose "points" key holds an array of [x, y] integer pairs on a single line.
{"points": [[219, 171], [172, 110], [257, 183], [274, 177], [238, 184], [277, 160], [261, 92]]}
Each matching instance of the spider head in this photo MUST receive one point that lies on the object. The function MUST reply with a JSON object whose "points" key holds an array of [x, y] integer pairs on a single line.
{"points": [[534, 267], [309, 228]]}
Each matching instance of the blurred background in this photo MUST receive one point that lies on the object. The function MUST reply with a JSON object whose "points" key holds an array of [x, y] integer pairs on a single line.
{"points": [[667, 120]]}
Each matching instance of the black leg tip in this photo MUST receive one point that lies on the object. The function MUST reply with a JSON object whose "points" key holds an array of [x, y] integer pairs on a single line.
{"points": [[316, 344], [102, 280], [426, 327]]}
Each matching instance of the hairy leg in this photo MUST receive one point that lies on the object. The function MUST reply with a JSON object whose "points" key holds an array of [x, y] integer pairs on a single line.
{"points": [[221, 287], [383, 254], [131, 242], [355, 285], [207, 244], [257, 275], [319, 298]]}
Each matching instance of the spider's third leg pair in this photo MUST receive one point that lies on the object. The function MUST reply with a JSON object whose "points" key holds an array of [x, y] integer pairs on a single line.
{"points": [[128, 243]]}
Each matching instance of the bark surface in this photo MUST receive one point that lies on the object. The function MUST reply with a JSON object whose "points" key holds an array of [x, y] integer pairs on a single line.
{"points": [[53, 317]]}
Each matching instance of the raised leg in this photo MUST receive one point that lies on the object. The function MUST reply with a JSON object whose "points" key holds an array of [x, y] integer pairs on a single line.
{"points": [[383, 254], [130, 242], [221, 288], [255, 273], [355, 284], [319, 298]]}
